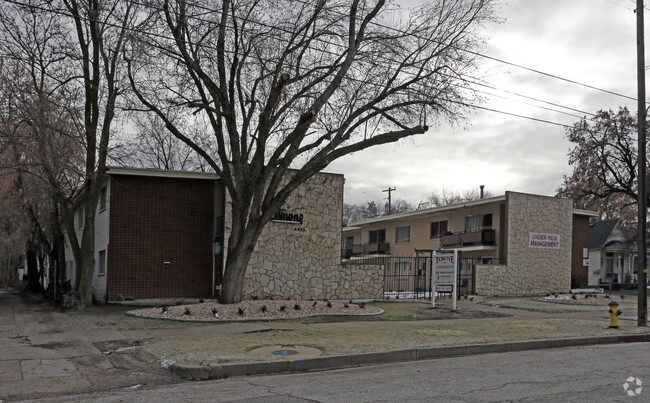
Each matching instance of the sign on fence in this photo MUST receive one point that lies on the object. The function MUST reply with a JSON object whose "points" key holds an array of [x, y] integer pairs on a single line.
{"points": [[444, 274]]}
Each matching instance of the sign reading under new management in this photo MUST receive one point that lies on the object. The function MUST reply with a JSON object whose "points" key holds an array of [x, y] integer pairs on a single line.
{"points": [[543, 241]]}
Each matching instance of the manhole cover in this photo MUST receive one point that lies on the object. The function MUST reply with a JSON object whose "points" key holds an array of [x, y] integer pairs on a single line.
{"points": [[286, 350]]}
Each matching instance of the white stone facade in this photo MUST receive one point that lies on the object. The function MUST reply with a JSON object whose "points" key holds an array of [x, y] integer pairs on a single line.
{"points": [[529, 270], [302, 260]]}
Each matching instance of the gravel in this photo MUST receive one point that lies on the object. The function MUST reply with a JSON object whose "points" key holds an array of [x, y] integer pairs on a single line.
{"points": [[254, 310]]}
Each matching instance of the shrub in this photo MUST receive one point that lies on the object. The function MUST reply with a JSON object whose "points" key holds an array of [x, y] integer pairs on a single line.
{"points": [[283, 308], [362, 305], [329, 304], [215, 311], [187, 311], [346, 305], [164, 309], [264, 309], [297, 307], [240, 311]]}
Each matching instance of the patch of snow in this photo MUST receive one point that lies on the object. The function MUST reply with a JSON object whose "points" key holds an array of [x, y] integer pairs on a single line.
{"points": [[166, 362]]}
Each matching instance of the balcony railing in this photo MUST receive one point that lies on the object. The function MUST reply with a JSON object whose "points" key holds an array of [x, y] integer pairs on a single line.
{"points": [[366, 249], [482, 237]]}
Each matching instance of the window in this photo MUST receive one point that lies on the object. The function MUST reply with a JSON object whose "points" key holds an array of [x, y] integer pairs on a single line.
{"points": [[402, 269], [102, 262], [438, 229], [348, 242], [102, 199], [376, 236], [402, 234], [478, 222]]}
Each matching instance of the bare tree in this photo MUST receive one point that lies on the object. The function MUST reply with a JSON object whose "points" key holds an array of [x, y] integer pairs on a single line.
{"points": [[72, 51], [290, 86], [154, 146], [401, 206], [447, 197], [604, 163]]}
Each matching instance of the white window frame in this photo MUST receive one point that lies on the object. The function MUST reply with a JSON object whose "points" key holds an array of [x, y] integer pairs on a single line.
{"points": [[402, 269], [102, 199], [404, 237]]}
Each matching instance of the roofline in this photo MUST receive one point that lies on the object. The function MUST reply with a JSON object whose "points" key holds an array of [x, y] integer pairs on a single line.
{"points": [[161, 173], [153, 172], [414, 214], [433, 210], [587, 213]]}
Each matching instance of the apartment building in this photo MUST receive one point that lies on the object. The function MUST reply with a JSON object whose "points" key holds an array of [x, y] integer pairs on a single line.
{"points": [[512, 244]]}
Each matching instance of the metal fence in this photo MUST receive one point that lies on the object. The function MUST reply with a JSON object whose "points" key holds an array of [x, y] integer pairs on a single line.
{"points": [[408, 277]]}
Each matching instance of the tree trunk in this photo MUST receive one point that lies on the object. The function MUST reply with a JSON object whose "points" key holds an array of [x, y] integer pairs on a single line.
{"points": [[232, 284], [87, 269], [31, 259]]}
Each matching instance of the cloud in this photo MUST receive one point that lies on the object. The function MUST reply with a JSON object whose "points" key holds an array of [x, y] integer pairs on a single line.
{"points": [[581, 40]]}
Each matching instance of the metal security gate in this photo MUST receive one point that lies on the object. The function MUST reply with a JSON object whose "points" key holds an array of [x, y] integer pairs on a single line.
{"points": [[410, 276], [407, 277]]}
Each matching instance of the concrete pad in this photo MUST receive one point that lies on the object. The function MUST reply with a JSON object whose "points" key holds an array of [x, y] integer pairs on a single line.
{"points": [[10, 370], [44, 388], [33, 369]]}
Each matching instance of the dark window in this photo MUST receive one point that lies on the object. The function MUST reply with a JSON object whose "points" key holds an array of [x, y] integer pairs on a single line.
{"points": [[376, 236], [102, 262], [438, 229], [348, 242], [402, 234]]}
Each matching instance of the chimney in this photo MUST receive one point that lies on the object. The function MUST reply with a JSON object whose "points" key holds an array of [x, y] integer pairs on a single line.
{"points": [[482, 186]]}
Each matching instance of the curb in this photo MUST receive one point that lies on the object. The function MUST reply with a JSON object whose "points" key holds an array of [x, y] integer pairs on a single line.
{"points": [[203, 372]]}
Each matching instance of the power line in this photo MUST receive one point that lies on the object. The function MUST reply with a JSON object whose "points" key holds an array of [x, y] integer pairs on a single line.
{"points": [[151, 34], [427, 39]]}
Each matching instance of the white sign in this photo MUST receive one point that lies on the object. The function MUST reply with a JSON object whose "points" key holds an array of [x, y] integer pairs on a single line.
{"points": [[445, 269], [444, 275], [543, 241]]}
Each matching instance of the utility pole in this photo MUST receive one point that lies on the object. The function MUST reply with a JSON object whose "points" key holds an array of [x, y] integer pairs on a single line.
{"points": [[642, 294], [389, 190]]}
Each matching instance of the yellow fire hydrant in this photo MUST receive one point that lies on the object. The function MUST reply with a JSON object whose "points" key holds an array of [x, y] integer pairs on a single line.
{"points": [[614, 312]]}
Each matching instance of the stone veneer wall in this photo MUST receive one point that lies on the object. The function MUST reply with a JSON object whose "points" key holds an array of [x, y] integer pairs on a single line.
{"points": [[528, 270], [303, 261]]}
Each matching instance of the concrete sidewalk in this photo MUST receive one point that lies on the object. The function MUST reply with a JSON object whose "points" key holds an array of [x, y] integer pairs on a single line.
{"points": [[45, 353]]}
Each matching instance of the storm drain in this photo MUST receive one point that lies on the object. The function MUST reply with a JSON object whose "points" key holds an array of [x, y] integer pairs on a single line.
{"points": [[286, 350]]}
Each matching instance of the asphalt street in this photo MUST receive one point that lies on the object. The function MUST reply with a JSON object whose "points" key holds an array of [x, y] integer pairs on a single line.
{"points": [[582, 374]]}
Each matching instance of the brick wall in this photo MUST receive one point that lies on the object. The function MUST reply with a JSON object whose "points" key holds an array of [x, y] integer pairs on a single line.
{"points": [[579, 273], [154, 220]]}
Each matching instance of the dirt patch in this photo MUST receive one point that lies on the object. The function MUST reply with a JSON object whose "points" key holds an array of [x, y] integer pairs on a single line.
{"points": [[254, 310]]}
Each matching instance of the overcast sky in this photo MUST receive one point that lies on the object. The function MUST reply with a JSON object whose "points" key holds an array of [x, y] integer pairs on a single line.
{"points": [[588, 41]]}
